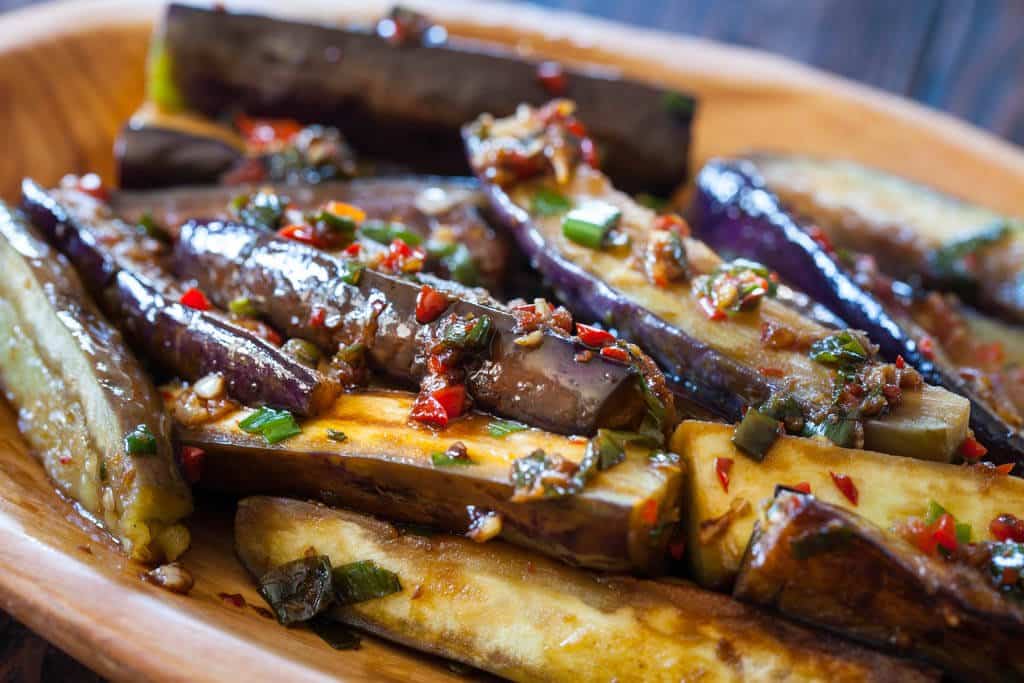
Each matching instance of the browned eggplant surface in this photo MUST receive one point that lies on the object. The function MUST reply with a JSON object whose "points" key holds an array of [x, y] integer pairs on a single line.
{"points": [[821, 564]]}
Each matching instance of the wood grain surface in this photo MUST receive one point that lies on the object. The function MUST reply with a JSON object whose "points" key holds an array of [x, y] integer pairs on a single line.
{"points": [[69, 76]]}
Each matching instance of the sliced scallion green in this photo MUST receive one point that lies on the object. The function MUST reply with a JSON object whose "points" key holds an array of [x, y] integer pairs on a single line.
{"points": [[447, 460], [140, 441], [588, 224], [274, 425], [384, 232], [499, 429], [547, 202], [352, 271]]}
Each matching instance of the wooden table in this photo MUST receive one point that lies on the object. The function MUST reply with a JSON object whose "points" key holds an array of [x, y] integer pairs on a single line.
{"points": [[961, 56]]}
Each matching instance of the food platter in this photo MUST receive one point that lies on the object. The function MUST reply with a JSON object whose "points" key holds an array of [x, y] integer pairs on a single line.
{"points": [[73, 72]]}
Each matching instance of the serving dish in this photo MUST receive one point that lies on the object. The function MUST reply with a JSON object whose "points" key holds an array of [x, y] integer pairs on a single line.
{"points": [[85, 78]]}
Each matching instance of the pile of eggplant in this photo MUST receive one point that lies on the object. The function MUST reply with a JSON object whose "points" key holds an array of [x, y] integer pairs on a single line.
{"points": [[522, 420]]}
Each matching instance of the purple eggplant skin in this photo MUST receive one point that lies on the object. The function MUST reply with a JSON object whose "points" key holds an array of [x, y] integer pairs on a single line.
{"points": [[734, 212], [544, 386], [188, 342], [155, 156], [407, 103], [402, 199]]}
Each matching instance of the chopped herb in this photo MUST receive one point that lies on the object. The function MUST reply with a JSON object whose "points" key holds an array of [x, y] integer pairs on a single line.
{"points": [[361, 581], [352, 271], [836, 428], [384, 232], [948, 262], [445, 459], [736, 286], [472, 333], [838, 349], [462, 266], [499, 429], [262, 210], [274, 425], [344, 226], [755, 434], [148, 226], [337, 435], [606, 450], [299, 590], [304, 351], [140, 441], [834, 535], [244, 306], [540, 475], [547, 202], [334, 633], [589, 224]]}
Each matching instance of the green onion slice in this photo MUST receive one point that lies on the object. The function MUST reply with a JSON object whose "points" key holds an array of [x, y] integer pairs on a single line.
{"points": [[361, 581]]}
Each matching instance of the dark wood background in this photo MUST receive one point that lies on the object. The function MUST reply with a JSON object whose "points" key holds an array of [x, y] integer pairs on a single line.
{"points": [[962, 56]]}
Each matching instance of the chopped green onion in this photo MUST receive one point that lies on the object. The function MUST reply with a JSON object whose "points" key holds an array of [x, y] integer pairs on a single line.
{"points": [[299, 590], [934, 512], [447, 460], [303, 351], [839, 348], [462, 266], [337, 435], [140, 441], [273, 425], [385, 232], [840, 432], [474, 333], [607, 450], [147, 226], [499, 429], [244, 306], [547, 202], [755, 434], [588, 224], [352, 271], [963, 532], [340, 224], [361, 581], [262, 210]]}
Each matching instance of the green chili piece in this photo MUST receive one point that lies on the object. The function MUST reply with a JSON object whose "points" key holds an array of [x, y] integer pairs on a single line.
{"points": [[588, 224], [140, 441], [243, 306], [547, 202], [361, 581], [755, 434], [499, 429]]}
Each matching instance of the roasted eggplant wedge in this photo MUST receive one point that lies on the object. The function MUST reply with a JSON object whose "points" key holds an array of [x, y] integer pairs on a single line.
{"points": [[540, 380], [442, 214], [713, 326], [396, 101], [86, 408], [122, 270], [913, 231], [831, 568], [735, 211], [365, 454], [726, 489], [525, 618]]}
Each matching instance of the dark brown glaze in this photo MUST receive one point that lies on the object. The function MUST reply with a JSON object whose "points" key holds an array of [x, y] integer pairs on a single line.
{"points": [[874, 587], [407, 103], [424, 204], [157, 156], [543, 386], [123, 272]]}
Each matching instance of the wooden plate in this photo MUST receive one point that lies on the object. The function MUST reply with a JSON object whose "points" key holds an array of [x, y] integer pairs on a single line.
{"points": [[71, 73]]}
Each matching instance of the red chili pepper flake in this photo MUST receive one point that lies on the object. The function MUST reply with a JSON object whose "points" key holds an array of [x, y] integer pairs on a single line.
{"points": [[846, 487], [318, 317], [65, 459], [722, 468], [1009, 577], [900, 363], [927, 347], [300, 233], [990, 354], [672, 222], [233, 599], [353, 249], [92, 185], [972, 449], [593, 336], [677, 547], [944, 532], [194, 298], [192, 460], [649, 512], [452, 398], [430, 304], [819, 236], [802, 487], [772, 372], [439, 407], [615, 353], [1005, 468], [552, 77], [892, 392], [1007, 527], [576, 127], [710, 310], [263, 132]]}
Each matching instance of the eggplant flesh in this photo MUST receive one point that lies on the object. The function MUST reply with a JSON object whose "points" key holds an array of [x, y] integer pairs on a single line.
{"points": [[399, 102], [497, 608], [384, 465], [436, 209], [187, 342], [735, 212], [544, 386], [723, 365], [80, 394], [820, 564]]}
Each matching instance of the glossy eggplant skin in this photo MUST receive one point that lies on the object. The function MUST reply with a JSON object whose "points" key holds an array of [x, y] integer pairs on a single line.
{"points": [[544, 386], [818, 563], [188, 342], [734, 212], [154, 156], [407, 103], [425, 205]]}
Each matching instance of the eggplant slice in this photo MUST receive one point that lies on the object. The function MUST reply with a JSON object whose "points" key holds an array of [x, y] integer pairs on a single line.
{"points": [[826, 566], [543, 385], [398, 102], [723, 361], [122, 271], [526, 618], [736, 212], [364, 453], [86, 408]]}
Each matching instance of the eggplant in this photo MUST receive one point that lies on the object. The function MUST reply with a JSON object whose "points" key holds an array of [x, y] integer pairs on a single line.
{"points": [[86, 408], [399, 102], [723, 360], [526, 618], [827, 566], [364, 453], [914, 232], [190, 343], [735, 211], [887, 489], [543, 385], [444, 212]]}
